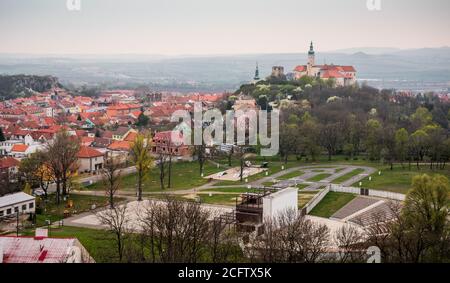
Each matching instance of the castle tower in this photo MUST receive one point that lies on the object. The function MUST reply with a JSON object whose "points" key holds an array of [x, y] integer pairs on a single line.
{"points": [[311, 60], [256, 78]]}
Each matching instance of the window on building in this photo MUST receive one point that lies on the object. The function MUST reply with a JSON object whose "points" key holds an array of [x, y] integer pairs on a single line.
{"points": [[24, 207], [8, 211], [30, 205], [2, 212], [16, 209]]}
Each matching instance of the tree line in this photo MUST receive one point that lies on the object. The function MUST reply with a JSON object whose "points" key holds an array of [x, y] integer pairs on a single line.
{"points": [[381, 126], [175, 231]]}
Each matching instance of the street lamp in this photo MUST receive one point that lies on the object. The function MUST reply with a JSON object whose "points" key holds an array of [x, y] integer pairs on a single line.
{"points": [[17, 223], [48, 225]]}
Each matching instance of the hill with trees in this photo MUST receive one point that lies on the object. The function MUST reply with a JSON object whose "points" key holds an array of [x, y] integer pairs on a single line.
{"points": [[25, 85], [356, 121]]}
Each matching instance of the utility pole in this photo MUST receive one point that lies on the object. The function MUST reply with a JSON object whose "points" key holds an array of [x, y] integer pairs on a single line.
{"points": [[17, 223]]}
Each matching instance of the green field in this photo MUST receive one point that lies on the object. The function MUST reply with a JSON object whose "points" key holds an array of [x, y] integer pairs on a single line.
{"points": [[331, 203], [185, 175], [81, 203], [291, 175], [302, 186], [347, 176], [219, 198], [319, 177], [99, 243], [222, 199], [228, 190], [304, 198], [274, 167], [398, 180]]}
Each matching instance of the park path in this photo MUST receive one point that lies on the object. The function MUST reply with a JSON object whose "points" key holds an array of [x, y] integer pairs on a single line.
{"points": [[308, 173]]}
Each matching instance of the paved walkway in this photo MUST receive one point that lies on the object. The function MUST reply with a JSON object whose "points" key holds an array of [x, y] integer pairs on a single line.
{"points": [[134, 214], [309, 172]]}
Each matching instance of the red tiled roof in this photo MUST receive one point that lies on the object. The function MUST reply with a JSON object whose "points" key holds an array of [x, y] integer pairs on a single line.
{"points": [[25, 249], [300, 69], [19, 148], [8, 162], [20, 132], [167, 136], [348, 68], [332, 74], [136, 113], [87, 140], [88, 152], [120, 145], [131, 137]]}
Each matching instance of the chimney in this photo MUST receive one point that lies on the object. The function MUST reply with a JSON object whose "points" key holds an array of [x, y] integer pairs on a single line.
{"points": [[40, 233]]}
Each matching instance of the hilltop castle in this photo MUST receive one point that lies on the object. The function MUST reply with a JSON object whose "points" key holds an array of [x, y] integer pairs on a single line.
{"points": [[343, 75]]}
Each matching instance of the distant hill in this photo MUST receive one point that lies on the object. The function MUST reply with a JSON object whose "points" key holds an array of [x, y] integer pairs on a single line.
{"points": [[427, 68], [24, 85], [368, 50]]}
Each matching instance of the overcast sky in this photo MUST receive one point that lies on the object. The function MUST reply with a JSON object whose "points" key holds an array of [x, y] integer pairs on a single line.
{"points": [[175, 27]]}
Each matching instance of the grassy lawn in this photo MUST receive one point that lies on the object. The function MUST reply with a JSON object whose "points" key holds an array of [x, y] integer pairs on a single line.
{"points": [[398, 180], [274, 167], [222, 199], [291, 175], [185, 175], [331, 203], [99, 243], [302, 186], [347, 176], [228, 190], [319, 177], [304, 198], [81, 203]]}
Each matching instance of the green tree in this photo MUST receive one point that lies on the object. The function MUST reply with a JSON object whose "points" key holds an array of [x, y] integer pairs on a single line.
{"points": [[372, 141], [426, 212], [419, 141], [263, 102], [401, 144], [142, 120], [142, 159], [421, 118], [2, 136]]}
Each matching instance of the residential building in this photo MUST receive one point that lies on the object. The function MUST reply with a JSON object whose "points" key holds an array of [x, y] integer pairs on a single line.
{"points": [[342, 75], [90, 160], [12, 204], [164, 142], [41, 249]]}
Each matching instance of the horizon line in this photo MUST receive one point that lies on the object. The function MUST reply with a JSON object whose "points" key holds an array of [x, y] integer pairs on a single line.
{"points": [[341, 51]]}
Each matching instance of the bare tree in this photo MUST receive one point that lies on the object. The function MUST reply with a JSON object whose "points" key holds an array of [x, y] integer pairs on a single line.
{"points": [[61, 155], [111, 178], [223, 241], [117, 222], [349, 241], [200, 153], [290, 237], [177, 231], [161, 162]]}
